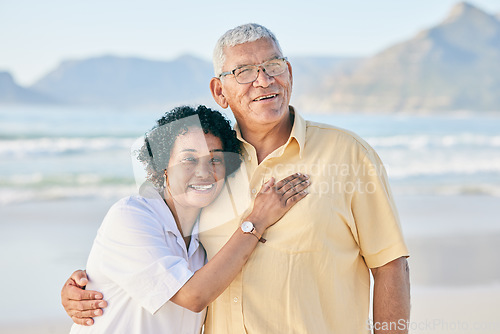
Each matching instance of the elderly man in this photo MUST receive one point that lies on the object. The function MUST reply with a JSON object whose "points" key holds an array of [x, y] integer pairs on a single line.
{"points": [[313, 274]]}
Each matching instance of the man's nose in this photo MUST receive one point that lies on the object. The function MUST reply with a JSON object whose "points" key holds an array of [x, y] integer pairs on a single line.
{"points": [[263, 79]]}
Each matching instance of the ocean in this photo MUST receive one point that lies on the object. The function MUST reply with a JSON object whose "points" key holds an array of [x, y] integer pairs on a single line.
{"points": [[51, 153], [61, 168]]}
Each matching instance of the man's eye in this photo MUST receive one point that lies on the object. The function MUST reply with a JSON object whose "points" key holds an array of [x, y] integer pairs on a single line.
{"points": [[273, 66], [244, 70], [274, 63]]}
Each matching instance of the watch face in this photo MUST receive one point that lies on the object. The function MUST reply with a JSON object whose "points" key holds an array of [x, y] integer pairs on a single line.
{"points": [[247, 227]]}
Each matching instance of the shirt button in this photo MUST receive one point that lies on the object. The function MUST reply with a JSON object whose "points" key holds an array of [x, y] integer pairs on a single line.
{"points": [[235, 299]]}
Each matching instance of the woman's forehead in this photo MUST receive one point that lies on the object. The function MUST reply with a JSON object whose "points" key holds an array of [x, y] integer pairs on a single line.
{"points": [[194, 139]]}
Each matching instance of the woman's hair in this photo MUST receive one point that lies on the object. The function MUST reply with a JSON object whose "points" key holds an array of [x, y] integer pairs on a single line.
{"points": [[245, 33], [159, 141]]}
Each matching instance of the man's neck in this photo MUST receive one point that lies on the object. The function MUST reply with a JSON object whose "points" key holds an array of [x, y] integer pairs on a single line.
{"points": [[265, 140]]}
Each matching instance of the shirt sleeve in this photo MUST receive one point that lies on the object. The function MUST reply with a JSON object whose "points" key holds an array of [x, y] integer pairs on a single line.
{"points": [[137, 255], [375, 214]]}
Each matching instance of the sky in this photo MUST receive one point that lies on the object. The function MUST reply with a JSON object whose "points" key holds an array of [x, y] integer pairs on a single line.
{"points": [[35, 36]]}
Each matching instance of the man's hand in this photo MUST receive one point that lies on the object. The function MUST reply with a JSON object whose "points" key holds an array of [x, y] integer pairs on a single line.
{"points": [[391, 297], [81, 305]]}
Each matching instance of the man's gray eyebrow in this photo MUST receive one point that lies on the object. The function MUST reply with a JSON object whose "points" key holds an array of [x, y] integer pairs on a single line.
{"points": [[273, 57]]}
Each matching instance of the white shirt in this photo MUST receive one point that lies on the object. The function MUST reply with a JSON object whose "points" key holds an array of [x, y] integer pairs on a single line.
{"points": [[139, 261]]}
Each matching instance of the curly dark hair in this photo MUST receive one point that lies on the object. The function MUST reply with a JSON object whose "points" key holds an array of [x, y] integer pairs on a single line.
{"points": [[159, 141]]}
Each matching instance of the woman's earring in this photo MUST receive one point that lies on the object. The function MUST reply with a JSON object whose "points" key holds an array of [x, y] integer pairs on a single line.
{"points": [[165, 181]]}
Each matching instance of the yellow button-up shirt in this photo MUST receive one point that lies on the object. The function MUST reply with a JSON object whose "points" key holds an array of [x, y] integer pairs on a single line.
{"points": [[311, 276]]}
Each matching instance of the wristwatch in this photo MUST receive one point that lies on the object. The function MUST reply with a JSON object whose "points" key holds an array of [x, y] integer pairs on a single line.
{"points": [[248, 227]]}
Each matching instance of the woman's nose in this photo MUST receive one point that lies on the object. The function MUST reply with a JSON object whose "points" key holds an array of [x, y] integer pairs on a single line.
{"points": [[204, 169]]}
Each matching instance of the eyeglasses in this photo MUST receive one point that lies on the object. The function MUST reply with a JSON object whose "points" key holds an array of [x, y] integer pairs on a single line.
{"points": [[248, 73]]}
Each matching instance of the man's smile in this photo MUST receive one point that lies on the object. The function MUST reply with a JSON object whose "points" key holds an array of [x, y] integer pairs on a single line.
{"points": [[265, 97]]}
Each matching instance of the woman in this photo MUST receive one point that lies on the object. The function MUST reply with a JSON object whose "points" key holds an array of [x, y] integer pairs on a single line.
{"points": [[147, 260]]}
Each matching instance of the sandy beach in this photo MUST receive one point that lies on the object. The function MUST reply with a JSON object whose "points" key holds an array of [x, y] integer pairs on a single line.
{"points": [[454, 242], [42, 244], [459, 309], [55, 326], [442, 310]]}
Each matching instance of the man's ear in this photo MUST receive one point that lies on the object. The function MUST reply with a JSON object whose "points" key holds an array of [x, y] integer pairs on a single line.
{"points": [[216, 89], [290, 71]]}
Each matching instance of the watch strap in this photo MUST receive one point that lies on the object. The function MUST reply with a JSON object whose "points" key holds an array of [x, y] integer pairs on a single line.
{"points": [[257, 235], [253, 231]]}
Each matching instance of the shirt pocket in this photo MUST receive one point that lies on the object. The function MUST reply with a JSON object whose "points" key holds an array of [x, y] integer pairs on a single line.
{"points": [[310, 226]]}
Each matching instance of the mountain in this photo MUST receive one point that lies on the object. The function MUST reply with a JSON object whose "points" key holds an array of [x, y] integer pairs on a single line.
{"points": [[452, 66], [129, 82], [11, 93], [136, 82]]}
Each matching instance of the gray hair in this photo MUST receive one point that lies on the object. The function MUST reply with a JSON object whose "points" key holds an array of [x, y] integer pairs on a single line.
{"points": [[245, 33]]}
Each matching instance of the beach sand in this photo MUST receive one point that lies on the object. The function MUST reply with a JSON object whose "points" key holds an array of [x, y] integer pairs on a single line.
{"points": [[443, 310], [54, 326], [454, 271], [453, 310], [42, 244]]}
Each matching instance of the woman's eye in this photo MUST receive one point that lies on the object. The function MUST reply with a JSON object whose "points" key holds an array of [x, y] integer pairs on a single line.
{"points": [[217, 161], [188, 160]]}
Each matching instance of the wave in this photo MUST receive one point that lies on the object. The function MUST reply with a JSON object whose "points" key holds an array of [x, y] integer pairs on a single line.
{"points": [[406, 168], [404, 162], [43, 146], [448, 190], [34, 145], [61, 146], [10, 196], [40, 180], [423, 141], [18, 188], [5, 134], [17, 195]]}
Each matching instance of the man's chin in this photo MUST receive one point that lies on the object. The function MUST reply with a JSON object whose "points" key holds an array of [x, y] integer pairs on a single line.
{"points": [[270, 115]]}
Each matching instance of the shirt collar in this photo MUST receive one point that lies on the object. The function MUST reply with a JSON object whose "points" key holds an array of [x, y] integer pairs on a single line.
{"points": [[148, 191], [298, 131], [195, 238]]}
